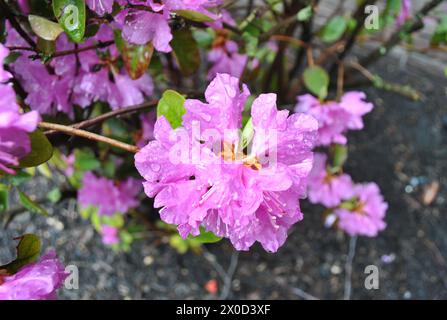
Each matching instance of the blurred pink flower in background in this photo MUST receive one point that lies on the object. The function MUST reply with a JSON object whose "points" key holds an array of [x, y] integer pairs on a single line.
{"points": [[366, 213]]}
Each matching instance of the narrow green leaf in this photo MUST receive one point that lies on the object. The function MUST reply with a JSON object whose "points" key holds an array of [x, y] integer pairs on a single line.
{"points": [[171, 106], [247, 133], [207, 236], [186, 51], [316, 80], [31, 205], [28, 251], [116, 221], [86, 160], [4, 197], [304, 14], [71, 15], [339, 155], [41, 150], [194, 16], [54, 195], [44, 28], [334, 29]]}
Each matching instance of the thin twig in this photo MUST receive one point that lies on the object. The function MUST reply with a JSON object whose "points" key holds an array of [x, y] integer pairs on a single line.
{"points": [[88, 135], [109, 115], [348, 268]]}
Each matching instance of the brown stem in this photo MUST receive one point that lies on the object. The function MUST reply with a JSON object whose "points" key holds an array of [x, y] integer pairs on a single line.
{"points": [[88, 135], [112, 114]]}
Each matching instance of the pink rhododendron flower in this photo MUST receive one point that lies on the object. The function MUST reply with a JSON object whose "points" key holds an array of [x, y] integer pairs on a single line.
{"points": [[353, 103], [108, 196], [366, 217], [50, 89], [226, 59], [246, 198], [404, 13], [110, 235], [142, 26], [101, 7], [36, 281], [335, 118], [326, 188], [331, 119], [14, 126]]}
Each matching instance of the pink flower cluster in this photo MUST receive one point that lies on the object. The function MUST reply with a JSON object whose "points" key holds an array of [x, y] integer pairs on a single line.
{"points": [[14, 126], [242, 199], [358, 209], [108, 196], [142, 26], [226, 59], [335, 118], [77, 80], [36, 281]]}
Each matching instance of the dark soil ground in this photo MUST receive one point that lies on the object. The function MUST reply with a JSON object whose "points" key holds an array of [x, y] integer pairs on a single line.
{"points": [[403, 149]]}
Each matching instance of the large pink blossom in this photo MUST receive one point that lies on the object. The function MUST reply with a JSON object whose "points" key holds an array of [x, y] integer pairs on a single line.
{"points": [[108, 196], [36, 281], [366, 212], [240, 196], [335, 118], [326, 188], [14, 126]]}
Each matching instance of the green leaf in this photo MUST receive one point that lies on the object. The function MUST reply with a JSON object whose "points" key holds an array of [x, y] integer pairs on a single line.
{"points": [[31, 205], [247, 133], [339, 155], [4, 197], [204, 38], [41, 150], [440, 34], [96, 221], [194, 16], [206, 236], [87, 212], [171, 106], [71, 16], [137, 58], [28, 251], [116, 221], [305, 14], [334, 29], [44, 28], [54, 195], [316, 80], [86, 160], [186, 51], [178, 243]]}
